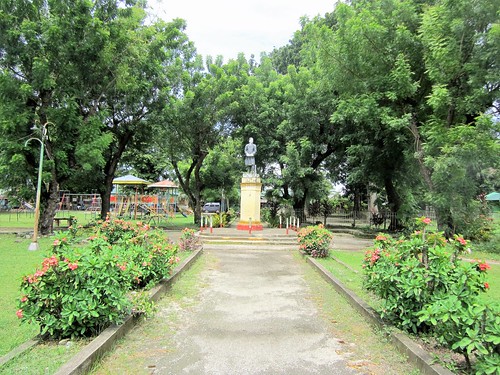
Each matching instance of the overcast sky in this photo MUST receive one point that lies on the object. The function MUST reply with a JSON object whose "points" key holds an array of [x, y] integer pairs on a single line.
{"points": [[227, 27]]}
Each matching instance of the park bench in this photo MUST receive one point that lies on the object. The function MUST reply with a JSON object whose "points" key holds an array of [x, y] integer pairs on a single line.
{"points": [[68, 220]]}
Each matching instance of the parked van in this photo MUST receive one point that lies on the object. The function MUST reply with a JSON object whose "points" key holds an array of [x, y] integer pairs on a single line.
{"points": [[211, 207]]}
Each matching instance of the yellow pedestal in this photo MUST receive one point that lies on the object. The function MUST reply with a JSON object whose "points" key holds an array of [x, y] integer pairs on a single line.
{"points": [[250, 203]]}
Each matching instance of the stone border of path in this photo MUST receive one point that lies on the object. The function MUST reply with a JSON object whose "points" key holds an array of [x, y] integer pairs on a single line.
{"points": [[85, 358], [403, 343]]}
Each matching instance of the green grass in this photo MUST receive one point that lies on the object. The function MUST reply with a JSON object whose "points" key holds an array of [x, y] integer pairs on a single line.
{"points": [[42, 359], [17, 262], [353, 261], [26, 219]]}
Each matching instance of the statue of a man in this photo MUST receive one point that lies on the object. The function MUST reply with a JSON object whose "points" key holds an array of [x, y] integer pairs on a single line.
{"points": [[250, 151]]}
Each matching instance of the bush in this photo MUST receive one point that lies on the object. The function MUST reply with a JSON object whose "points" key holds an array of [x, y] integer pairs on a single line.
{"points": [[315, 240], [227, 217], [189, 241], [425, 287], [80, 290]]}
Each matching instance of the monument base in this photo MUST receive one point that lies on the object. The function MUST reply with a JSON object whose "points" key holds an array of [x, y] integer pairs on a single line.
{"points": [[250, 202], [242, 225]]}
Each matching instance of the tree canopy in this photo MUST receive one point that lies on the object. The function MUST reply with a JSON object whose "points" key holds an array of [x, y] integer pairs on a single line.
{"points": [[399, 97]]}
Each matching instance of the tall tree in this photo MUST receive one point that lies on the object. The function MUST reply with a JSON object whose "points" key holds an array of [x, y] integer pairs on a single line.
{"points": [[409, 72], [94, 71], [192, 126]]}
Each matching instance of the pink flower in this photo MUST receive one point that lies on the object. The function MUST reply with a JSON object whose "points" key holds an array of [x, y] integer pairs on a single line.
{"points": [[486, 285], [123, 266], [462, 241], [426, 220], [380, 238], [19, 313], [56, 242], [72, 266], [483, 266], [24, 299]]}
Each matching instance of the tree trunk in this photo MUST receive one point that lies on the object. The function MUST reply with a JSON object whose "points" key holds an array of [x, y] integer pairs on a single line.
{"points": [[110, 170], [106, 195], [444, 218], [419, 154], [49, 212], [394, 202], [194, 195]]}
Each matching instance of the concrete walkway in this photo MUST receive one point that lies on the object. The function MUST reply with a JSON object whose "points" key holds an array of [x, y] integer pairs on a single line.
{"points": [[254, 317]]}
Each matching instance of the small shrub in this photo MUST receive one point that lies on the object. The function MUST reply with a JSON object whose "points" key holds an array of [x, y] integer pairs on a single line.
{"points": [[315, 241], [226, 219], [425, 287], [80, 290], [73, 294], [189, 241]]}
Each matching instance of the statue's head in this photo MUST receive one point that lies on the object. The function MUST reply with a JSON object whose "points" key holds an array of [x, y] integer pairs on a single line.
{"points": [[250, 140]]}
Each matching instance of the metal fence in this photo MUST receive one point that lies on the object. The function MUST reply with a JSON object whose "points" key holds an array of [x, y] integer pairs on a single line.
{"points": [[341, 218]]}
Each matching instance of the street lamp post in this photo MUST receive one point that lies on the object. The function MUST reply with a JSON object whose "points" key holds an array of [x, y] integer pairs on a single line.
{"points": [[34, 242]]}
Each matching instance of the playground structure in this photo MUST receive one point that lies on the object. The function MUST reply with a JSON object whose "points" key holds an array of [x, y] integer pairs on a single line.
{"points": [[129, 200], [155, 207]]}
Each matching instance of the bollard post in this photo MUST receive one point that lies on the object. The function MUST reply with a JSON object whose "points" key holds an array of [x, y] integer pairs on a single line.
{"points": [[298, 223], [286, 225], [201, 223], [280, 221], [211, 227]]}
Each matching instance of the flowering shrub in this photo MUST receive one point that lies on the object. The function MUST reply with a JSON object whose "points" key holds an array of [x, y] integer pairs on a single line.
{"points": [[80, 290], [315, 240], [189, 241], [73, 294], [425, 287]]}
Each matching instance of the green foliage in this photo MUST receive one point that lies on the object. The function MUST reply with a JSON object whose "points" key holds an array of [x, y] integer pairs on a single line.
{"points": [[315, 241], [80, 290], [268, 215], [227, 217], [425, 287], [189, 240]]}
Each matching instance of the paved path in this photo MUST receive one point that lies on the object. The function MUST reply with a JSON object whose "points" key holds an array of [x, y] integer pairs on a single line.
{"points": [[254, 317]]}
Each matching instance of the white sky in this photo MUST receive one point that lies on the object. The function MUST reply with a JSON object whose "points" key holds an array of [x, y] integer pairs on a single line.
{"points": [[227, 27]]}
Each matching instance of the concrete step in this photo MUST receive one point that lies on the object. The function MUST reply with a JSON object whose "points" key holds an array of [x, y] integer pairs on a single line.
{"points": [[265, 238]]}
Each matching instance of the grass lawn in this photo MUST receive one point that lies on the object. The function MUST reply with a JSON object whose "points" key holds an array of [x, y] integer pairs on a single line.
{"points": [[17, 262], [352, 261], [26, 219]]}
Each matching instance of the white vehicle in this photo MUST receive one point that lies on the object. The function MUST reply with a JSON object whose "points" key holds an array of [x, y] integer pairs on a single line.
{"points": [[211, 207]]}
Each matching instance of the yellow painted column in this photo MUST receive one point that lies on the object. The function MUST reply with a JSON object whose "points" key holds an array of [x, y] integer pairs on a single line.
{"points": [[250, 203]]}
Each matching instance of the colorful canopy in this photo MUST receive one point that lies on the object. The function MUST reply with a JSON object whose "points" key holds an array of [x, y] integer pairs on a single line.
{"points": [[130, 180], [165, 184]]}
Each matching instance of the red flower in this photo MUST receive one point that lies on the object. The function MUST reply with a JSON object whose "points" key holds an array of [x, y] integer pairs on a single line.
{"points": [[462, 241], [483, 266], [19, 313], [123, 266], [426, 220], [72, 266], [380, 238], [486, 285], [24, 299]]}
